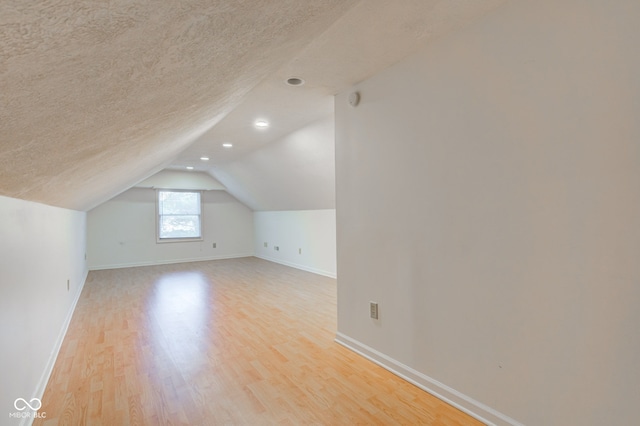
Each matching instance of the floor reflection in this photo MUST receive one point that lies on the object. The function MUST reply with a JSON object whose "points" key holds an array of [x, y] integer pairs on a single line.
{"points": [[179, 310]]}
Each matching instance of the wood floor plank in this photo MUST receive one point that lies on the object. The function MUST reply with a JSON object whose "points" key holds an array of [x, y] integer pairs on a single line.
{"points": [[229, 342]]}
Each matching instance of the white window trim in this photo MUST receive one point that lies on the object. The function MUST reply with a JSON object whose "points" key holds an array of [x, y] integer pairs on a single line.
{"points": [[157, 214]]}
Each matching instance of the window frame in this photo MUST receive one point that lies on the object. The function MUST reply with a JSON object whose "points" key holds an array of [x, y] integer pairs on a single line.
{"points": [[158, 215]]}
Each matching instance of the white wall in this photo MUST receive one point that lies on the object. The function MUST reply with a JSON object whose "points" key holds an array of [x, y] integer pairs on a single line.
{"points": [[41, 247], [306, 239], [121, 232], [489, 199], [179, 179]]}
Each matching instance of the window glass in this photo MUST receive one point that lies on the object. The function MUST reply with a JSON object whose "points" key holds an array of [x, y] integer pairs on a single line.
{"points": [[179, 215]]}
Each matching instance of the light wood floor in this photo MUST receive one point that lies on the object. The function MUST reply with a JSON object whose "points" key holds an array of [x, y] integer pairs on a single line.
{"points": [[230, 342]]}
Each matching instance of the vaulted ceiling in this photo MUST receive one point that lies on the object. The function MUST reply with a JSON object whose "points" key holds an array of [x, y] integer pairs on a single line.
{"points": [[97, 95]]}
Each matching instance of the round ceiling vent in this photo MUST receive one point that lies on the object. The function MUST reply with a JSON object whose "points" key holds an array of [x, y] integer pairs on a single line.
{"points": [[295, 81]]}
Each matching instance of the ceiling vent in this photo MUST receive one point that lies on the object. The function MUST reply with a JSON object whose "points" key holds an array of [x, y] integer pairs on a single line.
{"points": [[295, 81]]}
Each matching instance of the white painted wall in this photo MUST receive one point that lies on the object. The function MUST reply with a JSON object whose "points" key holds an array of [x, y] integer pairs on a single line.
{"points": [[121, 232], [41, 247], [178, 179], [305, 239], [489, 199], [296, 172]]}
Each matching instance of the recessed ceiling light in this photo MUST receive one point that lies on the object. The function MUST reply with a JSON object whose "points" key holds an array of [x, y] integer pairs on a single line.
{"points": [[295, 81], [227, 145], [204, 158], [189, 167], [262, 124]]}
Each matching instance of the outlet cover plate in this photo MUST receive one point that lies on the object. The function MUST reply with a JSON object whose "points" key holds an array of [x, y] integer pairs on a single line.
{"points": [[373, 310]]}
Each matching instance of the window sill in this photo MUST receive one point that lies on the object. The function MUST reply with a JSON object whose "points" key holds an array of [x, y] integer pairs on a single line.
{"points": [[178, 240]]}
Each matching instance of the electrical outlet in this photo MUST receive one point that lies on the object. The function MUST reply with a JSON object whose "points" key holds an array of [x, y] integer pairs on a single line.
{"points": [[214, 245], [299, 251], [67, 285], [373, 310]]}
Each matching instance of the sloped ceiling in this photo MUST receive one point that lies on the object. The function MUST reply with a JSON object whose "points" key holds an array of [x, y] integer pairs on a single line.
{"points": [[97, 95], [296, 172]]}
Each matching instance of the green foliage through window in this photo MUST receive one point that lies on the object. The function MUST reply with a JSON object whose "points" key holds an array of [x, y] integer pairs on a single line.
{"points": [[179, 215]]}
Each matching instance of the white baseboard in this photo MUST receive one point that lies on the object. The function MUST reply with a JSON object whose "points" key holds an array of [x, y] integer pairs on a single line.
{"points": [[299, 266], [53, 356], [474, 408], [166, 262]]}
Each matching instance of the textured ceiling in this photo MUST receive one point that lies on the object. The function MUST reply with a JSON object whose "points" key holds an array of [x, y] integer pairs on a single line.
{"points": [[98, 95], [95, 95]]}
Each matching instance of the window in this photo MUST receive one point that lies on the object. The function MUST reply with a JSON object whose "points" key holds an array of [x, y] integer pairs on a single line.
{"points": [[179, 215]]}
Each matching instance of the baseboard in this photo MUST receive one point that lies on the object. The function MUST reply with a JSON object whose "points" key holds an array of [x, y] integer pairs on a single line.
{"points": [[167, 262], [299, 266], [478, 410], [53, 356]]}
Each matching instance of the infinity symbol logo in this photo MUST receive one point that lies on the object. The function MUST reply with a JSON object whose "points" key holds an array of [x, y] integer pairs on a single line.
{"points": [[35, 401]]}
